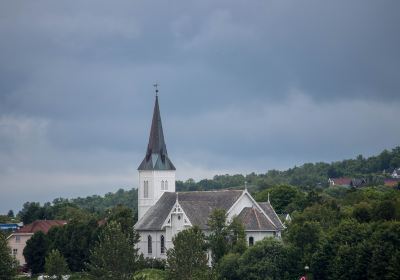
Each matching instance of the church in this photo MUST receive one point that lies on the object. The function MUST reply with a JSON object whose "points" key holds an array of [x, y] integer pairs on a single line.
{"points": [[163, 212]]}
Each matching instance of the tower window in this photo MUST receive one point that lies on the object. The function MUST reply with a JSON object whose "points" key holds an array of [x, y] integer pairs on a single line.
{"points": [[166, 185], [251, 241], [162, 185], [149, 245], [162, 239], [146, 189]]}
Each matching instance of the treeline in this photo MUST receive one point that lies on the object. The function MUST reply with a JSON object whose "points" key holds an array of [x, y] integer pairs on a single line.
{"points": [[307, 176], [335, 233], [91, 207]]}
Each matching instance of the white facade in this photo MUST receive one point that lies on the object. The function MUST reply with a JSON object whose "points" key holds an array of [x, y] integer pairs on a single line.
{"points": [[152, 184]]}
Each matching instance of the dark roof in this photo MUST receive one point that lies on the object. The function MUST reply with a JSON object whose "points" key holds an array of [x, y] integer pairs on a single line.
{"points": [[41, 225], [196, 205], [269, 210], [156, 215], [253, 219], [156, 155]]}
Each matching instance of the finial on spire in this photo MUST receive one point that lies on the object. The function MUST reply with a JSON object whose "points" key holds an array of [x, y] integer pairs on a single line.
{"points": [[268, 197], [245, 185], [177, 198], [156, 86]]}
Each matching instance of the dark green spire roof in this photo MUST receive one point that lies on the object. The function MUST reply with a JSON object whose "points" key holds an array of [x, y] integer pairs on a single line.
{"points": [[156, 155]]}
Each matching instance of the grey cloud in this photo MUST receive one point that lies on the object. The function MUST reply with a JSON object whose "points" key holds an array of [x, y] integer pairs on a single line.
{"points": [[245, 86]]}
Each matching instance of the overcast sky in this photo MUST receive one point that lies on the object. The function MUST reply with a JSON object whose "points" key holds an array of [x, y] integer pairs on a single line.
{"points": [[245, 86]]}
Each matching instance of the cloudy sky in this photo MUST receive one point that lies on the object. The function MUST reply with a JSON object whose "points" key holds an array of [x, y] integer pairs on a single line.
{"points": [[245, 86]]}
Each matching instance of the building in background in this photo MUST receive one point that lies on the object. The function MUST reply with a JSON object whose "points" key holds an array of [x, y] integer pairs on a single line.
{"points": [[17, 240]]}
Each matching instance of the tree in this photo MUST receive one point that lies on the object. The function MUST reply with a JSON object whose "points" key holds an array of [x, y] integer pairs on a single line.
{"points": [[188, 258], [10, 214], [56, 264], [114, 255], [268, 259], [218, 239], [8, 264], [74, 241], [35, 252], [227, 268], [281, 197], [236, 236]]}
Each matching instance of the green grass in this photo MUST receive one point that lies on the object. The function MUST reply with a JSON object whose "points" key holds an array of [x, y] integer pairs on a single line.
{"points": [[150, 274]]}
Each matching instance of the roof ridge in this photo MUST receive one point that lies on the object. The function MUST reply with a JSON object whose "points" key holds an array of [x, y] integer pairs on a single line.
{"points": [[258, 220], [222, 190]]}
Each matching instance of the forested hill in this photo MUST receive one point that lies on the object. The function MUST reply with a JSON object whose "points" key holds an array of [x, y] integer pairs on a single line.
{"points": [[307, 176]]}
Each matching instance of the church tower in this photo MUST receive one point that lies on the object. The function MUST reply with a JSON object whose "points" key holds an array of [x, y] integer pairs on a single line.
{"points": [[156, 172]]}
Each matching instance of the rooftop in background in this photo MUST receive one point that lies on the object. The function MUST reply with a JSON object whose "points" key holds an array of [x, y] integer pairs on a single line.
{"points": [[41, 225]]}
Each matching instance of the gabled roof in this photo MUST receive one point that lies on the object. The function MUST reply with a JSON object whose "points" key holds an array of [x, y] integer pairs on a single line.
{"points": [[269, 210], [196, 205], [341, 181], [156, 155], [253, 219], [41, 225]]}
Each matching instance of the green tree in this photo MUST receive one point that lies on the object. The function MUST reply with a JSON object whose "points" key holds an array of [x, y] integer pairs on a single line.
{"points": [[188, 259], [218, 239], [74, 241], [124, 216], [56, 264], [10, 214], [268, 259], [236, 236], [281, 197], [35, 252], [8, 264], [227, 268], [114, 255]]}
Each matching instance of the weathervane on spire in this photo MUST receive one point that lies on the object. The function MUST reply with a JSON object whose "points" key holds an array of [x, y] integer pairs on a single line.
{"points": [[156, 86]]}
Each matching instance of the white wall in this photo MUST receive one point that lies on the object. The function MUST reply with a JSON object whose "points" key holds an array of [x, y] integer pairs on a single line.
{"points": [[244, 201], [258, 235], [156, 244], [154, 177]]}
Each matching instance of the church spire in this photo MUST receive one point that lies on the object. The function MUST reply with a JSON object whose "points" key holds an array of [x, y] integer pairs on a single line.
{"points": [[156, 155]]}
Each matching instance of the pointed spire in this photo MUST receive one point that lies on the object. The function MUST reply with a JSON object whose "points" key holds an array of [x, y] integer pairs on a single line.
{"points": [[156, 155]]}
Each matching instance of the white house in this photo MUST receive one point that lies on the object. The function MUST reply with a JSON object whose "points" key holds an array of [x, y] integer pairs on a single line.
{"points": [[163, 212]]}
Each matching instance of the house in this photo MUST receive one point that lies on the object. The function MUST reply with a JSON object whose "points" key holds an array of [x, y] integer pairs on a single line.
{"points": [[17, 240], [339, 182], [396, 173], [347, 182], [391, 182], [163, 212]]}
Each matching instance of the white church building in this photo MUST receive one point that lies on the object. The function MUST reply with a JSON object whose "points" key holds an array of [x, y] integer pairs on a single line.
{"points": [[163, 212]]}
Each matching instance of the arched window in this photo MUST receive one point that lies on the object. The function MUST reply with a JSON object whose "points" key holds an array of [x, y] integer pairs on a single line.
{"points": [[149, 245], [146, 189], [166, 184], [162, 244], [162, 185], [251, 241]]}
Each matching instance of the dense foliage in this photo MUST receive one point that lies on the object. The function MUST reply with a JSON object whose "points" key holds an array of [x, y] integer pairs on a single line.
{"points": [[114, 255], [307, 176], [8, 265], [79, 209], [188, 259], [56, 265]]}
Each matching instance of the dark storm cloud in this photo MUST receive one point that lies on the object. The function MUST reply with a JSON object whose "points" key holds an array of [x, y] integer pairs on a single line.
{"points": [[245, 86]]}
